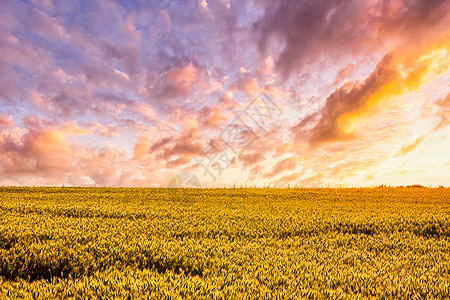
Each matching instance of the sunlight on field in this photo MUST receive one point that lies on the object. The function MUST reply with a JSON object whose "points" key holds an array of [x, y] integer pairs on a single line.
{"points": [[117, 243]]}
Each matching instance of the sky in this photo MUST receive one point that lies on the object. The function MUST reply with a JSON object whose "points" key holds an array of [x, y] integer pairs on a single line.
{"points": [[326, 93]]}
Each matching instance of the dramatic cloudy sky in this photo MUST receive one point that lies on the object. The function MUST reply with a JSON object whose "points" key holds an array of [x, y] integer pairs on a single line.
{"points": [[257, 92]]}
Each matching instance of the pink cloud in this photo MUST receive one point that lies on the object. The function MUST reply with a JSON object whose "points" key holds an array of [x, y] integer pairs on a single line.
{"points": [[44, 148], [444, 111], [44, 4], [6, 121], [248, 85], [212, 116], [287, 164], [344, 73], [301, 33], [47, 27], [227, 102], [251, 158], [176, 82], [104, 166]]}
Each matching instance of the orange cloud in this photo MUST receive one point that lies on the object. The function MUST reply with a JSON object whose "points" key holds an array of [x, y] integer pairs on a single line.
{"points": [[142, 147], [444, 111], [412, 70], [410, 147], [400, 72]]}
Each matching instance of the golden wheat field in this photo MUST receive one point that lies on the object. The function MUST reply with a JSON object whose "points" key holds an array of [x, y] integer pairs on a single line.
{"points": [[238, 243]]}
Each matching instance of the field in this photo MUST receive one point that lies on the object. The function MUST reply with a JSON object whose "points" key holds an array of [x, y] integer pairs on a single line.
{"points": [[117, 243]]}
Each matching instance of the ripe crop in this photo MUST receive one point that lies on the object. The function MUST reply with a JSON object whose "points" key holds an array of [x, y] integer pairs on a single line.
{"points": [[122, 243]]}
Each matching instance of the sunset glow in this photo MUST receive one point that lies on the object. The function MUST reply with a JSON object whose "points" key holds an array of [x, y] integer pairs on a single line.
{"points": [[131, 93]]}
